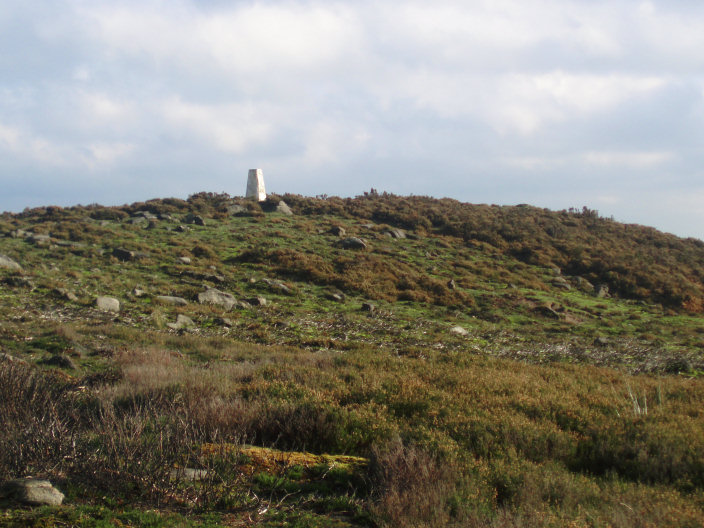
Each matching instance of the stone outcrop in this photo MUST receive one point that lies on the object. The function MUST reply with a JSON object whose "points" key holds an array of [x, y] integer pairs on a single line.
{"points": [[31, 491]]}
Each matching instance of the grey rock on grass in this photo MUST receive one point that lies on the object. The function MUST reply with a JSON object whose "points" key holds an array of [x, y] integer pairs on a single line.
{"points": [[169, 299], [107, 304], [7, 262], [31, 491], [217, 298]]}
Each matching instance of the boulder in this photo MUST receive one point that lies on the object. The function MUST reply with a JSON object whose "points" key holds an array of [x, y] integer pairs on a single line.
{"points": [[237, 210], [173, 301], [561, 282], [451, 284], [189, 474], [368, 307], [7, 262], [257, 301], [352, 243], [337, 231], [182, 322], [181, 229], [31, 491], [395, 233], [335, 296], [63, 293], [277, 286], [107, 304], [191, 218], [602, 291], [458, 330], [282, 207], [184, 260], [217, 298]]}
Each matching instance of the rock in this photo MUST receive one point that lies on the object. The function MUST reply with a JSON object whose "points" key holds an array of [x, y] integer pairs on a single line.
{"points": [[145, 214], [8, 263], [584, 285], [123, 254], [19, 233], [59, 360], [63, 293], [165, 217], [335, 296], [107, 304], [277, 286], [184, 260], [395, 233], [561, 282], [139, 220], [39, 240], [458, 330], [451, 284], [224, 321], [352, 243], [555, 270], [138, 292], [181, 229], [237, 210], [189, 474], [217, 298], [191, 218], [602, 291], [32, 492], [337, 231], [257, 301], [173, 301], [182, 322], [368, 307], [282, 207]]}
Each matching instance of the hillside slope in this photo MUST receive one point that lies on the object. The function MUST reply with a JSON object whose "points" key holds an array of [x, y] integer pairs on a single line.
{"points": [[510, 365]]}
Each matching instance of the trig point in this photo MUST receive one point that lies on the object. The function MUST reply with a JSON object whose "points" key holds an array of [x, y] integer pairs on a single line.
{"points": [[255, 185]]}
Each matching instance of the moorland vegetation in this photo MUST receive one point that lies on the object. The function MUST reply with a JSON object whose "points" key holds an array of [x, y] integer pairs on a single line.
{"points": [[466, 365]]}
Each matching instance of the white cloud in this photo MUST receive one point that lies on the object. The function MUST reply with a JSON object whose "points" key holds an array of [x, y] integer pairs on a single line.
{"points": [[229, 127], [634, 160]]}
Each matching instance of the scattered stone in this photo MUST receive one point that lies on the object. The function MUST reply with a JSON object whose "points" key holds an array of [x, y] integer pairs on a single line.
{"points": [[189, 474], [32, 492], [173, 301], [451, 284], [7, 262], [395, 233], [561, 282], [237, 210], [257, 301], [107, 304], [181, 229], [555, 270], [224, 321], [39, 240], [145, 214], [459, 331], [217, 298], [184, 260], [59, 360], [277, 286], [335, 296], [368, 307], [602, 291], [191, 218], [584, 285], [139, 220], [165, 217], [182, 322], [123, 254], [65, 294], [282, 207], [352, 243], [138, 292], [338, 231], [19, 233]]}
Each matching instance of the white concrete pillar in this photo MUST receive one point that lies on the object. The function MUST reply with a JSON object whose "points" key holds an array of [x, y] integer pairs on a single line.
{"points": [[255, 185]]}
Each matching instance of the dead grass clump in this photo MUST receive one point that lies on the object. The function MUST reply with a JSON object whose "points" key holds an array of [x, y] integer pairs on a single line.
{"points": [[411, 488]]}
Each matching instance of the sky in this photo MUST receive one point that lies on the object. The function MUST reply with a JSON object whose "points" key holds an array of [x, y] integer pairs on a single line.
{"points": [[554, 103]]}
